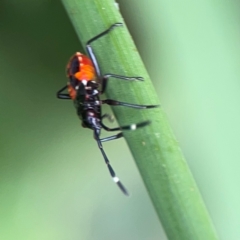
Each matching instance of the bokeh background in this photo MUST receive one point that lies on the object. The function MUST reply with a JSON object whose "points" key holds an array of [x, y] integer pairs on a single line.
{"points": [[53, 181]]}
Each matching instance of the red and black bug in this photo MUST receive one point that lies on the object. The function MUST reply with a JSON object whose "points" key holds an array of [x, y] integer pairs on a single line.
{"points": [[84, 87]]}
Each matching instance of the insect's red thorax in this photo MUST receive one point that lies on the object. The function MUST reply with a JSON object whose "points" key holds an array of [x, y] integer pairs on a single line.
{"points": [[79, 68]]}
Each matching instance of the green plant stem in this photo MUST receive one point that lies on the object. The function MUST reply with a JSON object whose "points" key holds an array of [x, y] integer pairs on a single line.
{"points": [[160, 161]]}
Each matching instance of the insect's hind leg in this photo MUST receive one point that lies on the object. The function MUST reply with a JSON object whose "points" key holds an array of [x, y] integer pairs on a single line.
{"points": [[133, 126], [117, 136], [127, 127], [111, 171]]}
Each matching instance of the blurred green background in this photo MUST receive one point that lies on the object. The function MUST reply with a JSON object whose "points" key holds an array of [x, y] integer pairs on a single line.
{"points": [[53, 181]]}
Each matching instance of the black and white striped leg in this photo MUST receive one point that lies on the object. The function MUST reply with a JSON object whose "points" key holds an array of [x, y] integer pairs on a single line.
{"points": [[119, 135], [90, 50], [132, 127], [117, 103], [113, 175], [107, 76], [61, 95]]}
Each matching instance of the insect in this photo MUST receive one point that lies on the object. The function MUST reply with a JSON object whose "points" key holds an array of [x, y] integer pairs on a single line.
{"points": [[85, 85]]}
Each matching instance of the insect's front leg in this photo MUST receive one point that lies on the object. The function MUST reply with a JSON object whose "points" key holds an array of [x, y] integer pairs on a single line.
{"points": [[61, 95]]}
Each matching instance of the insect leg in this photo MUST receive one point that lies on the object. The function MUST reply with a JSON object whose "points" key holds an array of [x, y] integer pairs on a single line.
{"points": [[90, 50], [112, 173], [127, 127], [106, 139], [105, 78], [117, 103], [61, 95]]}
